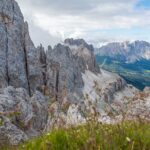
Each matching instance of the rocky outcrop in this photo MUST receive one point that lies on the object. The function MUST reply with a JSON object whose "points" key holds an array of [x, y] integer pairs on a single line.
{"points": [[19, 64], [11, 134], [21, 117], [84, 53], [65, 65], [64, 78], [139, 107], [78, 86]]}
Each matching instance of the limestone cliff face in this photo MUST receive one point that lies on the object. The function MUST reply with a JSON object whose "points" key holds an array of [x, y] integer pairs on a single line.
{"points": [[19, 64], [21, 116], [65, 65], [84, 53], [64, 78], [79, 87]]}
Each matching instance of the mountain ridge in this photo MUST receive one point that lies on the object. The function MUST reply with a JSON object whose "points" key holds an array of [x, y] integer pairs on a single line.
{"points": [[131, 60], [129, 52]]}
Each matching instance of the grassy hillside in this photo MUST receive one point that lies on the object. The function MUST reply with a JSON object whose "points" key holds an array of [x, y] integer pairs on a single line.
{"points": [[92, 136], [137, 74]]}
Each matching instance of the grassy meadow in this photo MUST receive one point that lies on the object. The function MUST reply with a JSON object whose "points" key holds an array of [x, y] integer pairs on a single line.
{"points": [[92, 136]]}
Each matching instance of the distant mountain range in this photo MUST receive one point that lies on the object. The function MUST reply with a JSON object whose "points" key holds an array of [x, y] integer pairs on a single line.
{"points": [[130, 60]]}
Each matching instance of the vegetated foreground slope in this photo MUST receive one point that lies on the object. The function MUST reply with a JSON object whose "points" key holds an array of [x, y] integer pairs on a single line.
{"points": [[93, 136]]}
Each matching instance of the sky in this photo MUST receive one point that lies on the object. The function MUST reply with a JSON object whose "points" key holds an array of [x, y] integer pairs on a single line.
{"points": [[96, 21]]}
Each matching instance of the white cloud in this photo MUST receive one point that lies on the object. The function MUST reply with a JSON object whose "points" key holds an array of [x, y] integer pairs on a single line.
{"points": [[61, 19]]}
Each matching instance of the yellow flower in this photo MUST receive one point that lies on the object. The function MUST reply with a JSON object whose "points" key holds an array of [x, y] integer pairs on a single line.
{"points": [[128, 139], [48, 134]]}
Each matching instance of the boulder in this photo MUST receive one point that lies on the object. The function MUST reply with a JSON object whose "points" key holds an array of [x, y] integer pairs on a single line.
{"points": [[22, 115]]}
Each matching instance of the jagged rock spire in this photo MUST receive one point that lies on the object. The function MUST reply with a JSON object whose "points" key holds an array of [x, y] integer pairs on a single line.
{"points": [[19, 64]]}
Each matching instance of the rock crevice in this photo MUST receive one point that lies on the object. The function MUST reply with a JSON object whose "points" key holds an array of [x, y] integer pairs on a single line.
{"points": [[26, 68], [6, 43]]}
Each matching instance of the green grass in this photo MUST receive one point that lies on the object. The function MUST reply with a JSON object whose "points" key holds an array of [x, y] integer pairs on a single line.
{"points": [[147, 71], [124, 136]]}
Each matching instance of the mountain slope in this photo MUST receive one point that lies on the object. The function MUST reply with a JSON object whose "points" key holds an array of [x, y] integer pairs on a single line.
{"points": [[127, 52], [130, 60], [93, 93]]}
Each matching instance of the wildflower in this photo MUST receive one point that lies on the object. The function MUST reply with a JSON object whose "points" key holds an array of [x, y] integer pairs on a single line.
{"points": [[78, 131], [128, 139], [48, 134]]}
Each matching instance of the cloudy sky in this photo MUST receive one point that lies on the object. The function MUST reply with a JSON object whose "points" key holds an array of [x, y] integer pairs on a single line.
{"points": [[97, 21]]}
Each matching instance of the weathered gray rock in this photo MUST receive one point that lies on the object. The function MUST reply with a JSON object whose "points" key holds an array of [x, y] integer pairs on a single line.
{"points": [[64, 78], [11, 134], [84, 53], [94, 92], [65, 65], [139, 107], [10, 18], [23, 67], [147, 89], [33, 63], [19, 64], [26, 116]]}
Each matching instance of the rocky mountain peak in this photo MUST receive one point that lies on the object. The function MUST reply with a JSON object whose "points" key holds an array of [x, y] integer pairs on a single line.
{"points": [[19, 64], [10, 12], [84, 52], [130, 52], [78, 42]]}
